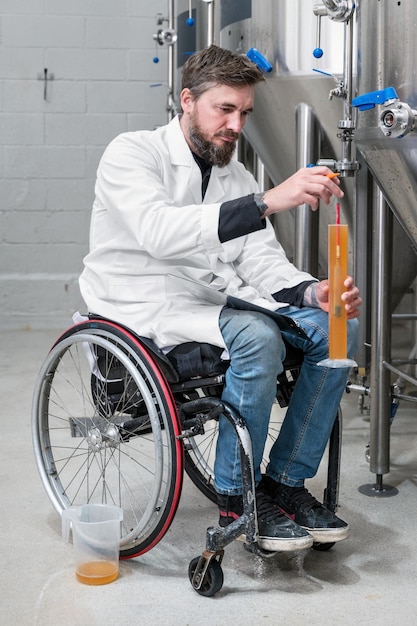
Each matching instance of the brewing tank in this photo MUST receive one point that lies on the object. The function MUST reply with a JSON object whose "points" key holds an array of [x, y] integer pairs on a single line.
{"points": [[287, 32]]}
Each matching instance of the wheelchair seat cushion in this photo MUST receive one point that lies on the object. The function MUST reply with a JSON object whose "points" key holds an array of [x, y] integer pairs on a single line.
{"points": [[197, 360]]}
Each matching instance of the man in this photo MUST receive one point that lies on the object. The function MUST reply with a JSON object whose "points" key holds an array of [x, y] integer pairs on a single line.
{"points": [[174, 202]]}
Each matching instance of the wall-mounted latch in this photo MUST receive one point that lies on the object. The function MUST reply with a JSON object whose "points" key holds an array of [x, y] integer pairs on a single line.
{"points": [[45, 77]]}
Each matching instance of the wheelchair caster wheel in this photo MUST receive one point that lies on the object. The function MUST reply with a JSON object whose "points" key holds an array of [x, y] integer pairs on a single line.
{"points": [[323, 547], [209, 582]]}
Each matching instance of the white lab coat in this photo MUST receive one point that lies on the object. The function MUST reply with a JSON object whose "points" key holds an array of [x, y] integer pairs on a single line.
{"points": [[149, 222]]}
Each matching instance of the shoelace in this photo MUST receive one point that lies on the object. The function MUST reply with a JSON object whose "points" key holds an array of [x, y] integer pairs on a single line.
{"points": [[301, 497], [266, 507]]}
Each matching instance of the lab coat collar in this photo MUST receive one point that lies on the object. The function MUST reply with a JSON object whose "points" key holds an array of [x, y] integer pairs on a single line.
{"points": [[180, 155]]}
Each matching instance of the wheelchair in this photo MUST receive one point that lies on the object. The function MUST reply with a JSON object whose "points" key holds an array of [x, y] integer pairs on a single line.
{"points": [[113, 422]]}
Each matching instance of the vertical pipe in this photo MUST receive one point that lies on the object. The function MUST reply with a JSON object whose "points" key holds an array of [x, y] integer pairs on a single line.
{"points": [[171, 67], [347, 68], [260, 173], [306, 221], [348, 123], [362, 270], [210, 22], [381, 339]]}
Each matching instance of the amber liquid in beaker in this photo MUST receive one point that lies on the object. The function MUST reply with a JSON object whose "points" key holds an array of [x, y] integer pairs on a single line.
{"points": [[97, 572], [338, 262]]}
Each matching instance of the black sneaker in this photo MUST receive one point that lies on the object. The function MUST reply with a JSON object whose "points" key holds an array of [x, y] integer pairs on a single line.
{"points": [[277, 533], [299, 505]]}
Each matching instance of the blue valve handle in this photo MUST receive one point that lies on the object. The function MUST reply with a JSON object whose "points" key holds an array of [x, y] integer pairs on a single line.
{"points": [[262, 62], [372, 98]]}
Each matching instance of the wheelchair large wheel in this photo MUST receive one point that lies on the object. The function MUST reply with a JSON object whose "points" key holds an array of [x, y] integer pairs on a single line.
{"points": [[105, 430], [199, 458]]}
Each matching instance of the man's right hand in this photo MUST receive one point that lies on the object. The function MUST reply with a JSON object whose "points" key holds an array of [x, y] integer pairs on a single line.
{"points": [[309, 185]]}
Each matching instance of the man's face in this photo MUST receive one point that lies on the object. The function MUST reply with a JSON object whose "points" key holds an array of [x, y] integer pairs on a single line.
{"points": [[212, 124]]}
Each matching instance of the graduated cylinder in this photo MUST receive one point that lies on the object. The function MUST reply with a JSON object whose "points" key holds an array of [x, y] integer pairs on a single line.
{"points": [[338, 268]]}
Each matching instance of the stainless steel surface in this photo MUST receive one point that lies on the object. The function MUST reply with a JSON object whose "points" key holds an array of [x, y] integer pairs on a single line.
{"points": [[388, 51], [386, 57], [306, 221], [393, 163], [381, 339], [382, 35]]}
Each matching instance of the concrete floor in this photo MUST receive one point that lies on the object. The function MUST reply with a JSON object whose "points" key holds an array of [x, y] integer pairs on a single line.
{"points": [[370, 579]]}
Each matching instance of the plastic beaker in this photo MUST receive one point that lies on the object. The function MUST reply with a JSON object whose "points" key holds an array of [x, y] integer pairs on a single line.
{"points": [[96, 538]]}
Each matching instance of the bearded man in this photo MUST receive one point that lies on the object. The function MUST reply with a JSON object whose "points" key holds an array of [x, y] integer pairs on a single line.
{"points": [[174, 204]]}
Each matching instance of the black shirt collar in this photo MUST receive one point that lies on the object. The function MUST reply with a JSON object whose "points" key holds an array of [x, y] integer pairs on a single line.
{"points": [[205, 172]]}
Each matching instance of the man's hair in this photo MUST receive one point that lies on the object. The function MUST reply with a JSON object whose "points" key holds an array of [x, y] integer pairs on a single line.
{"points": [[217, 66]]}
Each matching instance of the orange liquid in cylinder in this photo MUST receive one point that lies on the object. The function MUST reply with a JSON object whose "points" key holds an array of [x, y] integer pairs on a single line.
{"points": [[338, 262], [97, 572]]}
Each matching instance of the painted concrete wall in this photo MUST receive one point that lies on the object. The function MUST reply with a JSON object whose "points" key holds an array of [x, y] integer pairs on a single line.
{"points": [[100, 53]]}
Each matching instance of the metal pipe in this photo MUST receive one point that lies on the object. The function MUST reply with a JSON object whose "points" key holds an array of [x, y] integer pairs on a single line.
{"points": [[362, 257], [347, 124], [171, 105], [400, 373], [347, 69], [306, 221], [210, 21], [381, 339]]}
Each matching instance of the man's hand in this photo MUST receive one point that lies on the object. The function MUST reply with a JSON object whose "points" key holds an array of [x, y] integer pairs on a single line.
{"points": [[317, 295], [308, 185]]}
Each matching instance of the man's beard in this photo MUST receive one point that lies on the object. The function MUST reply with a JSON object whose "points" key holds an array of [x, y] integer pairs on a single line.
{"points": [[209, 151]]}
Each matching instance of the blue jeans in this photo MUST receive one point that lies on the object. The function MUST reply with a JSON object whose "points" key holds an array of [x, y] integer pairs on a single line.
{"points": [[257, 350]]}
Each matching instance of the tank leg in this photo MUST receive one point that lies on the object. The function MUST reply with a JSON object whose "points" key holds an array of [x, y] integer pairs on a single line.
{"points": [[380, 350]]}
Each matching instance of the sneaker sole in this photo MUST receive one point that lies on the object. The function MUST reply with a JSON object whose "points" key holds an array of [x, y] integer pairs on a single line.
{"points": [[328, 535], [272, 544]]}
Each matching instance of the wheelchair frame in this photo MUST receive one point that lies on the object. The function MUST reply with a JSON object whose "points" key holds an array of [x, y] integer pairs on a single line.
{"points": [[109, 422]]}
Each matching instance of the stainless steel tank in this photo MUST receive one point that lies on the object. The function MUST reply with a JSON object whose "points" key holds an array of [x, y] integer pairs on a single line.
{"points": [[285, 32], [295, 121], [387, 52]]}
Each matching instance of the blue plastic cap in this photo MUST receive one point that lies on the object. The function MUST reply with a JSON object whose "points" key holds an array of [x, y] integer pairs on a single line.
{"points": [[262, 62], [371, 99], [156, 60], [190, 21], [317, 53]]}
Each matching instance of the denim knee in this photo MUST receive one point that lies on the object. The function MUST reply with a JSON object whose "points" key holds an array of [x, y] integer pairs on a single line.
{"points": [[252, 336], [267, 339]]}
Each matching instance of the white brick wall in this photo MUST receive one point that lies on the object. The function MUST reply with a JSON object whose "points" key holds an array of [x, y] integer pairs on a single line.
{"points": [[101, 54]]}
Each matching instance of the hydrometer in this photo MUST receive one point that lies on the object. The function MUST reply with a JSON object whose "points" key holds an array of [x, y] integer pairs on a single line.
{"points": [[337, 270]]}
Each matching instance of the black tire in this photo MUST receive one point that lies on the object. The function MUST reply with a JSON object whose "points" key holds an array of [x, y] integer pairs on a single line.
{"points": [[213, 578], [323, 547], [122, 451], [199, 459]]}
